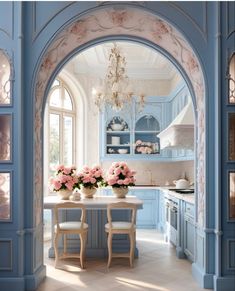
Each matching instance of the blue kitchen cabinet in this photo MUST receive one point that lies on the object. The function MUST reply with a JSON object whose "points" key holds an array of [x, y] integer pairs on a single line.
{"points": [[146, 217], [189, 230], [130, 134], [161, 212]]}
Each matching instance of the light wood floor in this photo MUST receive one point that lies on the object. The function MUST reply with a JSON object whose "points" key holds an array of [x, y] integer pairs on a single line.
{"points": [[157, 268]]}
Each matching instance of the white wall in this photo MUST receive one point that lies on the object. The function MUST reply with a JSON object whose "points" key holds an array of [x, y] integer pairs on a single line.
{"points": [[159, 173]]}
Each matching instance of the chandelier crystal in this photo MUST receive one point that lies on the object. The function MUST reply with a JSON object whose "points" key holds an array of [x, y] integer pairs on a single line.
{"points": [[116, 90]]}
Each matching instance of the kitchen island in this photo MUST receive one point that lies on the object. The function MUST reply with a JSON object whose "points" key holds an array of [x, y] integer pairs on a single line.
{"points": [[96, 219]]}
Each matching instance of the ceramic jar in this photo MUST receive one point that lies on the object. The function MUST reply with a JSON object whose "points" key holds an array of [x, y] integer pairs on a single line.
{"points": [[120, 192]]}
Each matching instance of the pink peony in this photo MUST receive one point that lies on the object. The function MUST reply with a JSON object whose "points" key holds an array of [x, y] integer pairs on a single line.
{"points": [[120, 175], [60, 168]]}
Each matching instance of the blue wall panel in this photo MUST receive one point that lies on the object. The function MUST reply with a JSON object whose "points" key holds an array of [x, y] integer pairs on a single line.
{"points": [[26, 29]]}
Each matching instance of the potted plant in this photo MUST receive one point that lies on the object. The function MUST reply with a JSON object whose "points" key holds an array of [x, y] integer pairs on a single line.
{"points": [[89, 179], [119, 177], [64, 181]]}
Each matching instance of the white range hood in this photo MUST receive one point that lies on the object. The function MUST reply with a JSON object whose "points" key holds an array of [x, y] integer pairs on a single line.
{"points": [[180, 133]]}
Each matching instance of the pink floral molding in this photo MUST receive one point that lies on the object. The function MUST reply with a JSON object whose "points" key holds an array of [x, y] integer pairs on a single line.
{"points": [[132, 22]]}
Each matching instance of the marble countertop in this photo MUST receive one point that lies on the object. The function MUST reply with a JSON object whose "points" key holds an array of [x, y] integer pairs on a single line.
{"points": [[190, 198], [98, 202]]}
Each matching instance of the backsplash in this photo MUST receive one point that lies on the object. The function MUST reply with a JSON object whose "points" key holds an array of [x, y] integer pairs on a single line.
{"points": [[159, 173]]}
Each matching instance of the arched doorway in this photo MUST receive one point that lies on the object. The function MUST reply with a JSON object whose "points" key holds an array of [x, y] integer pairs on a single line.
{"points": [[127, 23]]}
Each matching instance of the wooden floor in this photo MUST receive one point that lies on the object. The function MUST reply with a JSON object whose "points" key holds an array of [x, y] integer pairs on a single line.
{"points": [[157, 268]]}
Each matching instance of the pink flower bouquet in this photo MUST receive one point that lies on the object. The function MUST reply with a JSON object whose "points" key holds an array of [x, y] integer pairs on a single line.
{"points": [[90, 177], [65, 178], [119, 175]]}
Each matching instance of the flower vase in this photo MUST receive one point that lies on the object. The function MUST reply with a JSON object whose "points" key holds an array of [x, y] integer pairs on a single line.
{"points": [[120, 192], [88, 192], [64, 194]]}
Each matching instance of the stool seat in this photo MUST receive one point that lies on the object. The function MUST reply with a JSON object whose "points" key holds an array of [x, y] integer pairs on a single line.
{"points": [[119, 225], [71, 225]]}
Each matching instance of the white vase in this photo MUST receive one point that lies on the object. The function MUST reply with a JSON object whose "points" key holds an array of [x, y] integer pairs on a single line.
{"points": [[64, 194], [120, 192], [88, 192]]}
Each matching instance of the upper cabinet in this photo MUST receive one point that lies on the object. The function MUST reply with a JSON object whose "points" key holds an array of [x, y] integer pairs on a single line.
{"points": [[134, 133], [145, 135], [118, 136], [131, 133]]}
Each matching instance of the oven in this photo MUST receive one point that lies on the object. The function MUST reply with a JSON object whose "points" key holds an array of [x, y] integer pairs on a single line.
{"points": [[171, 207]]}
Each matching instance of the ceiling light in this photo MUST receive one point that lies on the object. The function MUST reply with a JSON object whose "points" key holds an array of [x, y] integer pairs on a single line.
{"points": [[116, 90]]}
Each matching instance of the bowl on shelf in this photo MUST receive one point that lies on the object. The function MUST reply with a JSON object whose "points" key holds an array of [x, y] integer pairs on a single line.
{"points": [[117, 126], [122, 151]]}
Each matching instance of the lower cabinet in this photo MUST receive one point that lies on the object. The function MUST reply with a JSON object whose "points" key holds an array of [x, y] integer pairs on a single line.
{"points": [[189, 230], [161, 210], [146, 217]]}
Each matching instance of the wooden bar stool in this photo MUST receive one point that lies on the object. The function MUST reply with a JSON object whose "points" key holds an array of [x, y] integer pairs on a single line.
{"points": [[121, 227], [70, 227]]}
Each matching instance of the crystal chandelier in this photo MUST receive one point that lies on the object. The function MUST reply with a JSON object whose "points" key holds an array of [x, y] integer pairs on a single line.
{"points": [[116, 90]]}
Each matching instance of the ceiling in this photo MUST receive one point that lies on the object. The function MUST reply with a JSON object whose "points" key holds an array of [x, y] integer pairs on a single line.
{"points": [[142, 62]]}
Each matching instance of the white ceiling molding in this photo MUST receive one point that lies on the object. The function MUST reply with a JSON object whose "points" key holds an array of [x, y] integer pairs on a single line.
{"points": [[142, 62]]}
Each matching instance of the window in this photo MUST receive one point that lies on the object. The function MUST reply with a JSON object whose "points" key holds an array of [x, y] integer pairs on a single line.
{"points": [[5, 80], [60, 127], [231, 79]]}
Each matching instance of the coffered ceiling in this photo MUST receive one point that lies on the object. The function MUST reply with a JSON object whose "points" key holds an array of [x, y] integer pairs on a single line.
{"points": [[142, 62]]}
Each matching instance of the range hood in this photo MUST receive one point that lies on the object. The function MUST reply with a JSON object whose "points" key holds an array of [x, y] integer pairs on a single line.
{"points": [[180, 133]]}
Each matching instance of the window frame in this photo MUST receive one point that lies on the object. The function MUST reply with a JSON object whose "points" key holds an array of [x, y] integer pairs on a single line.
{"points": [[62, 112]]}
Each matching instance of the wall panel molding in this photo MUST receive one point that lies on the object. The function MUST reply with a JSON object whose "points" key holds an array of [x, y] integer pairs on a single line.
{"points": [[201, 28], [231, 254], [38, 29], [6, 254], [6, 26], [230, 7]]}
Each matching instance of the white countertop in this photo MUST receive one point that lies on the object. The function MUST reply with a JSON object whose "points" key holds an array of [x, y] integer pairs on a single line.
{"points": [[97, 202], [190, 198]]}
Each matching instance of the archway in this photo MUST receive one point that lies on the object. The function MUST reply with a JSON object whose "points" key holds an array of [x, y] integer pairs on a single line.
{"points": [[131, 23]]}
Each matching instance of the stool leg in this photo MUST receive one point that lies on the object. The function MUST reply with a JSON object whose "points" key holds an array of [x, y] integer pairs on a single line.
{"points": [[65, 244], [82, 248], [132, 247], [56, 236], [110, 237]]}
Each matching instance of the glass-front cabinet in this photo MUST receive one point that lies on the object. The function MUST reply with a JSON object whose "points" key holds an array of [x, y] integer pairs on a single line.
{"points": [[146, 141], [118, 136], [130, 135]]}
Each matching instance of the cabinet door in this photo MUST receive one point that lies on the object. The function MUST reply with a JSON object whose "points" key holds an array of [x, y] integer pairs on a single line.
{"points": [[146, 217], [189, 237], [161, 213]]}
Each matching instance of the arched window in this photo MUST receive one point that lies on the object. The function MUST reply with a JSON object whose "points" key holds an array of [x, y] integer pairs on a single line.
{"points": [[231, 78], [5, 79], [60, 132]]}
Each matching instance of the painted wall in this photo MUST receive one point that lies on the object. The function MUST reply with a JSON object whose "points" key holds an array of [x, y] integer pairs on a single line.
{"points": [[26, 30]]}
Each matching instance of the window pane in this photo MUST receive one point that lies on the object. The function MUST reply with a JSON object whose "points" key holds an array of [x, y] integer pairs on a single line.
{"points": [[232, 195], [68, 140], [5, 196], [54, 145], [232, 80], [55, 99], [5, 71], [231, 136], [5, 137], [67, 101]]}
